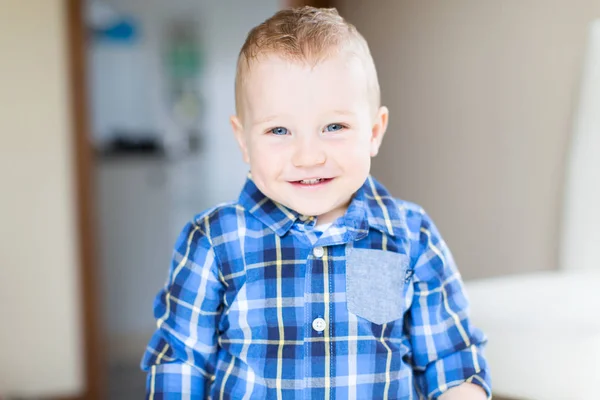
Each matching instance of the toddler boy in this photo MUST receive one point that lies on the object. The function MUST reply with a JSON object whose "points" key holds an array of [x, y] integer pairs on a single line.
{"points": [[316, 283]]}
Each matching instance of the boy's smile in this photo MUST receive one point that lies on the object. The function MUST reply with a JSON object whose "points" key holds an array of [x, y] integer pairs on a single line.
{"points": [[309, 132], [312, 182]]}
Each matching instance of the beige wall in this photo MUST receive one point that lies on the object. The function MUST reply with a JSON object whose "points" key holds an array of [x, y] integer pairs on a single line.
{"points": [[481, 96], [39, 329]]}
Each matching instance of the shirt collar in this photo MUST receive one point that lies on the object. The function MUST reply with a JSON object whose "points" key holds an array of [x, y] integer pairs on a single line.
{"points": [[274, 215], [372, 206]]}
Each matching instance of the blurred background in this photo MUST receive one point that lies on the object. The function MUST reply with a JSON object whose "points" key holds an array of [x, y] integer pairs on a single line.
{"points": [[114, 121]]}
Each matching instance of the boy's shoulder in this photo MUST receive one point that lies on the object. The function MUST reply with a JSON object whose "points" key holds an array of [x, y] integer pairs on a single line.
{"points": [[399, 215], [407, 208], [225, 221], [402, 219], [214, 220]]}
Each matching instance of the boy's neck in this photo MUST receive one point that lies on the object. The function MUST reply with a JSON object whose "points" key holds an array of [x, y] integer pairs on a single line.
{"points": [[332, 215]]}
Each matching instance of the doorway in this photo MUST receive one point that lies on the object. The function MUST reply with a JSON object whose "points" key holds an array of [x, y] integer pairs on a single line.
{"points": [[153, 93]]}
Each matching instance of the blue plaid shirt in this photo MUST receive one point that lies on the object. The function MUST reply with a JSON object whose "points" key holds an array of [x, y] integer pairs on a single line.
{"points": [[259, 305]]}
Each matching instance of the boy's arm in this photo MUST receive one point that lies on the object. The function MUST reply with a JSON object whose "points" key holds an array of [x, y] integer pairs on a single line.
{"points": [[446, 348], [181, 357]]}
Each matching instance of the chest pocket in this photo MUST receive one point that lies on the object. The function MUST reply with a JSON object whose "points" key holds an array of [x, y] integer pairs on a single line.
{"points": [[375, 284]]}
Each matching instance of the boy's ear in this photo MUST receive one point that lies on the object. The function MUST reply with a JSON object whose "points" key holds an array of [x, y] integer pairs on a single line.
{"points": [[378, 129], [238, 131]]}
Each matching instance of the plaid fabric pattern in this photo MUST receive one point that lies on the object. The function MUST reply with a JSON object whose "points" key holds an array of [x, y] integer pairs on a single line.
{"points": [[248, 279]]}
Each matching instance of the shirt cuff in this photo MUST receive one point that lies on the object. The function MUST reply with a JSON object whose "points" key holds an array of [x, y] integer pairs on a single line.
{"points": [[467, 365]]}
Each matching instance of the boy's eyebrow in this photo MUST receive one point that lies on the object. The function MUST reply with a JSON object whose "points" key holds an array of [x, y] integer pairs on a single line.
{"points": [[344, 112], [272, 117], [264, 120]]}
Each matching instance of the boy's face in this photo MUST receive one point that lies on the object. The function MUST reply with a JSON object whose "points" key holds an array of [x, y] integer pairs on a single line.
{"points": [[309, 133]]}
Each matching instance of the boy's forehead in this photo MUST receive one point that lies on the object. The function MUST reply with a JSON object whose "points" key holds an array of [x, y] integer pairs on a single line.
{"points": [[275, 83]]}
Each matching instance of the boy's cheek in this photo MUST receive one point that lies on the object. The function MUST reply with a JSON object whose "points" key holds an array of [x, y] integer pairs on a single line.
{"points": [[268, 161]]}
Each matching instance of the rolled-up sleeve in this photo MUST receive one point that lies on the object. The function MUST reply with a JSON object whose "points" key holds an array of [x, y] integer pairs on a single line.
{"points": [[181, 356], [447, 350]]}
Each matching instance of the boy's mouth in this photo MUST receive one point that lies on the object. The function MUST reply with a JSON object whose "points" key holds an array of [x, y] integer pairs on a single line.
{"points": [[312, 181]]}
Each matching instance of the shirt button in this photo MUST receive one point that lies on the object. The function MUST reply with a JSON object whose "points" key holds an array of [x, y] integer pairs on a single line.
{"points": [[303, 218], [319, 324], [318, 252]]}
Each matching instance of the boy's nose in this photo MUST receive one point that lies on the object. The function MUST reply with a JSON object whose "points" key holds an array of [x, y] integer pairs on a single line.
{"points": [[308, 152]]}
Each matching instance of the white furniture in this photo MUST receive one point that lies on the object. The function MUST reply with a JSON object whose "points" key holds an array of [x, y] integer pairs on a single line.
{"points": [[544, 328]]}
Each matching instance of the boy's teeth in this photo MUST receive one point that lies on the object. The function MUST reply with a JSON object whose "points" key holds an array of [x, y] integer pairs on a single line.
{"points": [[311, 181]]}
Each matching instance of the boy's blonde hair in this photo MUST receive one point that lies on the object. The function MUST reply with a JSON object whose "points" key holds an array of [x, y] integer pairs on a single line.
{"points": [[306, 35]]}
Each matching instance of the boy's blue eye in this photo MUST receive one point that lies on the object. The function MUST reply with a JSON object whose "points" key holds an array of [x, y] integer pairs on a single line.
{"points": [[334, 127], [279, 131]]}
